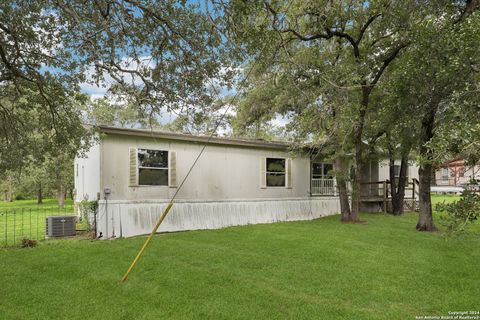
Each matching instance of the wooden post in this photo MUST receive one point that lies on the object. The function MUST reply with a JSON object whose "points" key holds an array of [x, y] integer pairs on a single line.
{"points": [[385, 196], [413, 189]]}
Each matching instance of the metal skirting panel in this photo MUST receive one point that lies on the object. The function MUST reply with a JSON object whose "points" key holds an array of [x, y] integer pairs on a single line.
{"points": [[127, 219]]}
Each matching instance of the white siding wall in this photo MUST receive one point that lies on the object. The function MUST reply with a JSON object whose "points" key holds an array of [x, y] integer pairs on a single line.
{"points": [[383, 170], [87, 174], [223, 172], [224, 189]]}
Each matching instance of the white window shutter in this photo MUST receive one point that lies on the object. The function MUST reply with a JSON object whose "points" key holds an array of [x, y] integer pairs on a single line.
{"points": [[263, 172], [133, 168], [172, 169], [288, 169]]}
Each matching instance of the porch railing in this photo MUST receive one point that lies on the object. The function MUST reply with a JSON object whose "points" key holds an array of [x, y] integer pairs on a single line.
{"points": [[323, 187], [381, 189]]}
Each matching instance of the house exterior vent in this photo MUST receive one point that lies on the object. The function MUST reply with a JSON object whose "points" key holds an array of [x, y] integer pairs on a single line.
{"points": [[60, 226]]}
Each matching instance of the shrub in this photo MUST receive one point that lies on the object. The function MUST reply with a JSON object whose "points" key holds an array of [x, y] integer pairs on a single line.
{"points": [[21, 196], [457, 215], [28, 243], [87, 208]]}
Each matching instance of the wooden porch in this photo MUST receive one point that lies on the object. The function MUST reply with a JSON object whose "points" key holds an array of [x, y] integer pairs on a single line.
{"points": [[378, 192]]}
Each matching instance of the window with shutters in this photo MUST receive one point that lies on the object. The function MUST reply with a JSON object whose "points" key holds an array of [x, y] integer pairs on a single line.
{"points": [[152, 167], [275, 173]]}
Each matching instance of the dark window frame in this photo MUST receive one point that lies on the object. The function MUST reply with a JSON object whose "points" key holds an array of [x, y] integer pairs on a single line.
{"points": [[139, 167], [276, 173], [445, 174], [323, 174]]}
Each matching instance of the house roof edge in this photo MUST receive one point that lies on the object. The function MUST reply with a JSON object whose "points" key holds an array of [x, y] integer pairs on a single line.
{"points": [[194, 138]]}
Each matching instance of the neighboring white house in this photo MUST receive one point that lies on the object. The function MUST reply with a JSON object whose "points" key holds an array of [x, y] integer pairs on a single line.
{"points": [[133, 173]]}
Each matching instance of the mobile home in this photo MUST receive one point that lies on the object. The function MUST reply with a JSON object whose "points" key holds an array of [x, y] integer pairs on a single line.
{"points": [[133, 173]]}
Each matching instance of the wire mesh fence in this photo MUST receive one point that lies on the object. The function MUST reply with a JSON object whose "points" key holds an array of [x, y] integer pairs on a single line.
{"points": [[17, 224]]}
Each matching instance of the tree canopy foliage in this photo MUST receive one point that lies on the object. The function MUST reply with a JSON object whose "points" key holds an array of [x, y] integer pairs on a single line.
{"points": [[157, 55], [328, 57], [352, 77], [362, 75]]}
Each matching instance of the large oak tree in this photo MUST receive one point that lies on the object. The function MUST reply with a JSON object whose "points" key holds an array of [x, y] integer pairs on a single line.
{"points": [[437, 83], [157, 55], [324, 55]]}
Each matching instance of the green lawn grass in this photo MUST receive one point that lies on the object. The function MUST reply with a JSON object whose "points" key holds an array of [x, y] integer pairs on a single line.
{"points": [[319, 269], [26, 219], [47, 203], [438, 198]]}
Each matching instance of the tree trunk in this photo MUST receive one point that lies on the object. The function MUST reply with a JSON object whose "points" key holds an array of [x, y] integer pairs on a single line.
{"points": [[425, 218], [391, 174], [61, 197], [342, 189], [402, 183], [357, 179], [397, 190], [39, 194], [359, 149], [356, 190], [10, 194]]}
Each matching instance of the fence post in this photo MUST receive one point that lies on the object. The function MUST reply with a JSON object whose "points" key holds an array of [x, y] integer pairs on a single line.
{"points": [[413, 188], [30, 236], [44, 221], [14, 225], [6, 227], [38, 213], [22, 236], [95, 212], [385, 196]]}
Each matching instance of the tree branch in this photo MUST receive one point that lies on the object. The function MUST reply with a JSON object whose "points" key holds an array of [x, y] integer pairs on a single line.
{"points": [[470, 7], [340, 34], [5, 29], [365, 27], [386, 62]]}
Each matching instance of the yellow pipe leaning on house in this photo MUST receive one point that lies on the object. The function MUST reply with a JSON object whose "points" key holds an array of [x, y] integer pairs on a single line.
{"points": [[165, 212]]}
